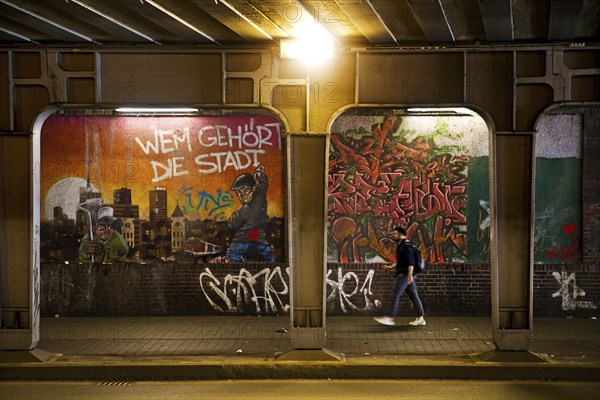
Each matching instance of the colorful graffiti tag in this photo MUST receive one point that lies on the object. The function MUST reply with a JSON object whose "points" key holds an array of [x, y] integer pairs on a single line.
{"points": [[395, 170], [148, 188]]}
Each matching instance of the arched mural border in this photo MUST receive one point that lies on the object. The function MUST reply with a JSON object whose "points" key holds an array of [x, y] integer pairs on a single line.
{"points": [[570, 236], [360, 275], [405, 110], [109, 109], [565, 245]]}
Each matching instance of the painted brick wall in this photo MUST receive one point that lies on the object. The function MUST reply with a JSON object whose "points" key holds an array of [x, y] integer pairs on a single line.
{"points": [[263, 289], [464, 290], [567, 290], [590, 187], [163, 289], [445, 289]]}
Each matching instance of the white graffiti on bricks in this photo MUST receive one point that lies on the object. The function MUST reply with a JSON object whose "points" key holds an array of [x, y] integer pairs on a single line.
{"points": [[570, 292], [338, 292], [241, 290]]}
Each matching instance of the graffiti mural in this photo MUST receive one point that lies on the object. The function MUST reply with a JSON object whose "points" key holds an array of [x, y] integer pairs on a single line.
{"points": [[162, 188], [558, 221], [415, 171]]}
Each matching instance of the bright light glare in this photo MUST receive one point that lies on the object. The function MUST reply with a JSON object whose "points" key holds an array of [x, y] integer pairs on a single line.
{"points": [[155, 110], [312, 45], [306, 50]]}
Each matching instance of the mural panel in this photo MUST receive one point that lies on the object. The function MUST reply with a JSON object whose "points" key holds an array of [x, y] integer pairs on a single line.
{"points": [[428, 172], [137, 189], [558, 221]]}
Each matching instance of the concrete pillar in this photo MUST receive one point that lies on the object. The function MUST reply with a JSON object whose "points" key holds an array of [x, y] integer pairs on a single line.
{"points": [[19, 237], [512, 240], [307, 201]]}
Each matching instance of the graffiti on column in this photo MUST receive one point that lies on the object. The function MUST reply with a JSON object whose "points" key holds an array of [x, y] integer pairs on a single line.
{"points": [[396, 170], [569, 292]]}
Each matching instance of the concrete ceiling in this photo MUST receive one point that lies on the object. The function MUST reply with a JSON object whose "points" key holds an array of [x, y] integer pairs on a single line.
{"points": [[247, 23]]}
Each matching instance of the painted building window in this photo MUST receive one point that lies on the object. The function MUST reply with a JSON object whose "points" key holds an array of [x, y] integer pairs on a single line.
{"points": [[426, 170], [162, 188]]}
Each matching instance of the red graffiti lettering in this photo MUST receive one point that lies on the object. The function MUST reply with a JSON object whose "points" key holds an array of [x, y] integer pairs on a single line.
{"points": [[379, 175], [566, 253]]}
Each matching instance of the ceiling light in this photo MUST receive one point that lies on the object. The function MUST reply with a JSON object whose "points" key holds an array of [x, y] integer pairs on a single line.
{"points": [[155, 110], [241, 15], [180, 20], [48, 21], [457, 110], [113, 20], [311, 43], [17, 35], [309, 49]]}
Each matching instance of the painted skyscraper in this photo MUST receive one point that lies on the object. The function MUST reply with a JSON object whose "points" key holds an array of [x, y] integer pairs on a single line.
{"points": [[157, 199]]}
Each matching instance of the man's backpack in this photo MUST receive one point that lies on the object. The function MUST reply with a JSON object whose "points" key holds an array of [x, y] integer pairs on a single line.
{"points": [[419, 261]]}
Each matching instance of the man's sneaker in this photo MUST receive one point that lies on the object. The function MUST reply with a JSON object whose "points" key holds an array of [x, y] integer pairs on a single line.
{"points": [[385, 320], [418, 322]]}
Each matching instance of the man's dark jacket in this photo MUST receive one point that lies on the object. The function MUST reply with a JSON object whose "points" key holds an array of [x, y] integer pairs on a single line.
{"points": [[405, 256]]}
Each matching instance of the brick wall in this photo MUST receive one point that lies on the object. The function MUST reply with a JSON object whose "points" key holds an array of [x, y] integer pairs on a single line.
{"points": [[163, 289], [464, 290], [566, 290], [590, 186], [263, 289], [445, 289]]}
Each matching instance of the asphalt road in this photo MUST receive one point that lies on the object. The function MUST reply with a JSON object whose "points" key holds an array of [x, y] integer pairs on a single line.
{"points": [[301, 389]]}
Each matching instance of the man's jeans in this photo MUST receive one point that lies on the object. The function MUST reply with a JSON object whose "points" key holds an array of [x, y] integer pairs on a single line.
{"points": [[402, 285]]}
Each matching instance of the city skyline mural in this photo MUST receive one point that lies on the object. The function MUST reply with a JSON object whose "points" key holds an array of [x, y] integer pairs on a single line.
{"points": [[170, 186]]}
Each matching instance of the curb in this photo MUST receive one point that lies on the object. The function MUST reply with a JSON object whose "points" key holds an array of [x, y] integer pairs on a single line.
{"points": [[297, 370]]}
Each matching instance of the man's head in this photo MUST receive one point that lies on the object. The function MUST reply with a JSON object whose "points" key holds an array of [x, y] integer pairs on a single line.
{"points": [[399, 233], [244, 186], [104, 231], [104, 226]]}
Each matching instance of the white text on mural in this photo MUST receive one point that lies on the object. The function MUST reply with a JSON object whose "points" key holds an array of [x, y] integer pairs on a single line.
{"points": [[217, 148]]}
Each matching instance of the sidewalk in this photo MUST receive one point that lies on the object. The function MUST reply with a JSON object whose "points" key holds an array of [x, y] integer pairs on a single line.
{"points": [[134, 348]]}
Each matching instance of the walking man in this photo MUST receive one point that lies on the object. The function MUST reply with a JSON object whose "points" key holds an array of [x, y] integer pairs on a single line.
{"points": [[405, 279]]}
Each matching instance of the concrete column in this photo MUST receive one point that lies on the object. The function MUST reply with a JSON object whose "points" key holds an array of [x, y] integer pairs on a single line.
{"points": [[19, 265], [512, 240], [307, 201]]}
